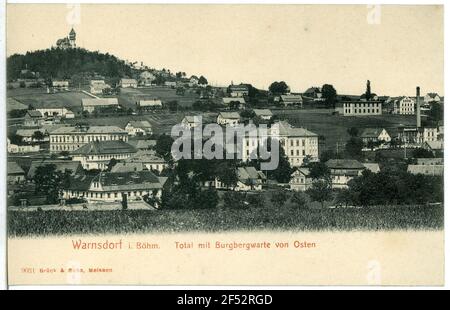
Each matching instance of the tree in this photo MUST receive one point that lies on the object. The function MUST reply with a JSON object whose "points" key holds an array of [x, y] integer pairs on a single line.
{"points": [[173, 105], [282, 174], [437, 112], [353, 148], [330, 95], [422, 153], [163, 147], [319, 170], [51, 182], [15, 139], [226, 172], [279, 197], [37, 136], [299, 200], [320, 191], [278, 88], [202, 80], [353, 131], [247, 114]]}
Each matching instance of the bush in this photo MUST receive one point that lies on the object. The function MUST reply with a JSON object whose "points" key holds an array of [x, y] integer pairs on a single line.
{"points": [[279, 197], [256, 200], [299, 200], [235, 200]]}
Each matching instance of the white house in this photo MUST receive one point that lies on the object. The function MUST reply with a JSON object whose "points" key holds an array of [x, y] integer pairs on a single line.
{"points": [[404, 106], [291, 100], [300, 179], [240, 90], [190, 121], [138, 128], [60, 85], [147, 78], [228, 118], [23, 148], [193, 81], [265, 114], [375, 135], [128, 83], [170, 83], [431, 98], [97, 86], [91, 104], [234, 102], [149, 103]]}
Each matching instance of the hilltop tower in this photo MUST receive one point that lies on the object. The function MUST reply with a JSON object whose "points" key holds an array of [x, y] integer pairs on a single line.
{"points": [[72, 38]]}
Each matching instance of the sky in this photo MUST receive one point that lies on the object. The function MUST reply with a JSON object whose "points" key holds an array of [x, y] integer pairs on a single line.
{"points": [[395, 47]]}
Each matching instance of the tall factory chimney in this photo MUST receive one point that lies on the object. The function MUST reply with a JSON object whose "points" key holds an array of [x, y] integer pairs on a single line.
{"points": [[418, 106]]}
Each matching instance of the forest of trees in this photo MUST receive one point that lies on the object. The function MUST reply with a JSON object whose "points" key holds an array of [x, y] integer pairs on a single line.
{"points": [[63, 64]]}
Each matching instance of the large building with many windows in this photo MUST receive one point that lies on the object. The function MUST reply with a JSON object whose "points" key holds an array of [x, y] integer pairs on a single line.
{"points": [[298, 143], [361, 108], [71, 138], [405, 105]]}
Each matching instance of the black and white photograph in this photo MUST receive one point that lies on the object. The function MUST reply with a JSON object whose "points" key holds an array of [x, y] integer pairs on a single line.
{"points": [[238, 120]]}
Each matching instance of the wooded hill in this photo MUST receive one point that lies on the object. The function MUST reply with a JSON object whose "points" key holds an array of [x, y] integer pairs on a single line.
{"points": [[58, 63]]}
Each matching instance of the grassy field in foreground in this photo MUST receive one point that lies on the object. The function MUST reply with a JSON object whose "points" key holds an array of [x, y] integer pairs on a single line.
{"points": [[224, 219]]}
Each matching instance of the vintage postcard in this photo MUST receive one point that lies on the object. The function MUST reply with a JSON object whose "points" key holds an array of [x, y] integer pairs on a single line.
{"points": [[225, 144]]}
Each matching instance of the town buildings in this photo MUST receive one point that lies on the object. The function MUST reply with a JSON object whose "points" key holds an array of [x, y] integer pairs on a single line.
{"points": [[71, 166], [55, 111], [115, 186], [98, 154], [71, 138]]}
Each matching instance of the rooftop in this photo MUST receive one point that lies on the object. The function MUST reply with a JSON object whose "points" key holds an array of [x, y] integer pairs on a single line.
{"points": [[89, 130], [105, 147], [344, 164]]}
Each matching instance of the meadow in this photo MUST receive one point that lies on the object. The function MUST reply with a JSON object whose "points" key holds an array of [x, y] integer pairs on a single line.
{"points": [[286, 218], [334, 127]]}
